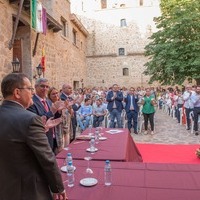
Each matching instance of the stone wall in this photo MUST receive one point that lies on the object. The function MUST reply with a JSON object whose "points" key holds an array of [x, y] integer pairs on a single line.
{"points": [[105, 71], [104, 65], [5, 35]]}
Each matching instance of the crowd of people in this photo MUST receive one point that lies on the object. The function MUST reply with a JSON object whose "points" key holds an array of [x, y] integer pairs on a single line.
{"points": [[58, 113], [187, 100]]}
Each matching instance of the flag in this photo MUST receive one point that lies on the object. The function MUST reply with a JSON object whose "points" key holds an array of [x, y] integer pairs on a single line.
{"points": [[33, 13], [43, 59], [38, 17], [44, 20]]}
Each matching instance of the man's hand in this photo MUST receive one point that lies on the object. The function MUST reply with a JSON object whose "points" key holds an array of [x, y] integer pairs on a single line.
{"points": [[50, 123], [60, 196], [114, 95]]}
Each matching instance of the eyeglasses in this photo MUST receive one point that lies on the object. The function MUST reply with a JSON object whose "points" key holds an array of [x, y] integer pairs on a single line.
{"points": [[28, 88], [44, 86]]}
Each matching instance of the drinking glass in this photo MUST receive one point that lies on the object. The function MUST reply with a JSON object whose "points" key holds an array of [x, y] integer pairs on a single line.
{"points": [[100, 131], [90, 130], [88, 169]]}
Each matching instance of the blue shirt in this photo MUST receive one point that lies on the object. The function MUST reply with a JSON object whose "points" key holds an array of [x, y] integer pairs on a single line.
{"points": [[100, 110], [195, 98], [85, 110]]}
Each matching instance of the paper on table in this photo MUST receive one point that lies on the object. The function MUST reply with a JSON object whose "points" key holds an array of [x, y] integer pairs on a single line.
{"points": [[114, 131]]}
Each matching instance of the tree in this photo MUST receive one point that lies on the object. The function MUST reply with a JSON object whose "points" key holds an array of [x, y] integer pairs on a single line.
{"points": [[174, 50]]}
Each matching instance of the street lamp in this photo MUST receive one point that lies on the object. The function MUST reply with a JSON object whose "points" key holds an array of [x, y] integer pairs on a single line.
{"points": [[39, 70], [16, 65]]}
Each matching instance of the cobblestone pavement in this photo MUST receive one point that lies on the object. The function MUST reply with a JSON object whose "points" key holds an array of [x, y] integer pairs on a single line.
{"points": [[167, 131]]}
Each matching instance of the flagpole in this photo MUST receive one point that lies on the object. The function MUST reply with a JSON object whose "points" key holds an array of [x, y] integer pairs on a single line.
{"points": [[16, 24]]}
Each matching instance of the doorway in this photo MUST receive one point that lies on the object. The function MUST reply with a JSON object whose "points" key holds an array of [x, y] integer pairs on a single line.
{"points": [[76, 85]]}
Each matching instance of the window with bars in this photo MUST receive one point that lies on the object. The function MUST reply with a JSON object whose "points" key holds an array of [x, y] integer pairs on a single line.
{"points": [[121, 51], [63, 22], [125, 71], [123, 23], [74, 33]]}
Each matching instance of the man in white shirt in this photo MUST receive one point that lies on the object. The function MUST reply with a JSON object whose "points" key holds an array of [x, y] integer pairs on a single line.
{"points": [[196, 101], [188, 104], [99, 111]]}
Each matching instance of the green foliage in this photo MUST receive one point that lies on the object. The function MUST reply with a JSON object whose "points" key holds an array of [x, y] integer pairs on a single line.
{"points": [[174, 50]]}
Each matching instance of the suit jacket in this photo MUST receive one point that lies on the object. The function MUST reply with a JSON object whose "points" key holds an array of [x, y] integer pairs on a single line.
{"points": [[128, 103], [28, 168], [38, 108], [63, 97], [118, 101]]}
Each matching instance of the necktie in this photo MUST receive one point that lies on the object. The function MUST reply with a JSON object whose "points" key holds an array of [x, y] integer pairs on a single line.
{"points": [[45, 105], [131, 106], [44, 102]]}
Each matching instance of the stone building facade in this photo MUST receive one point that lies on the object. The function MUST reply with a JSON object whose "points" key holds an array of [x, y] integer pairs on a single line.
{"points": [[64, 43], [118, 32], [101, 44]]}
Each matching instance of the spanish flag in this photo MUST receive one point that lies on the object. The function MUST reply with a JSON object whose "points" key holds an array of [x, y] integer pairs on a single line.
{"points": [[38, 17], [43, 63]]}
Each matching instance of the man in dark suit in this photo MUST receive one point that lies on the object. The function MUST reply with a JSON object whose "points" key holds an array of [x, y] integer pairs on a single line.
{"points": [[41, 107], [115, 106], [66, 95], [132, 110], [28, 168]]}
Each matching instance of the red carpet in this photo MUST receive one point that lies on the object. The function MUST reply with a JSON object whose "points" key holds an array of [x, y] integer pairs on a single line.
{"points": [[161, 153]]}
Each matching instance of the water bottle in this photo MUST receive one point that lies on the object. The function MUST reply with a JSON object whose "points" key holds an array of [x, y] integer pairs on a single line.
{"points": [[107, 173], [97, 136], [69, 158], [92, 144], [70, 174]]}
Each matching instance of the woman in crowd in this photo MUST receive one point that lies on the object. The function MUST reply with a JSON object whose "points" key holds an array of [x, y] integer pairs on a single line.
{"points": [[148, 110], [63, 131]]}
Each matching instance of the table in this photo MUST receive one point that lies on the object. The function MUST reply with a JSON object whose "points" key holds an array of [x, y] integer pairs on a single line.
{"points": [[117, 147], [139, 181]]}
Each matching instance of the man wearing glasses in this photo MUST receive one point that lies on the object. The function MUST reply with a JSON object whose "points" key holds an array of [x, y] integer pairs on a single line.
{"points": [[28, 168], [41, 107]]}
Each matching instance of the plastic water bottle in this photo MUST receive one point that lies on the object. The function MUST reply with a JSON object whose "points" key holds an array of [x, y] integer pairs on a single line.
{"points": [[107, 173], [70, 174], [69, 158], [92, 143]]}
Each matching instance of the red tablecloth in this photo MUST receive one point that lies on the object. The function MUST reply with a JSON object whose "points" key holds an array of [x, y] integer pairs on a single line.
{"points": [[137, 181], [117, 147]]}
